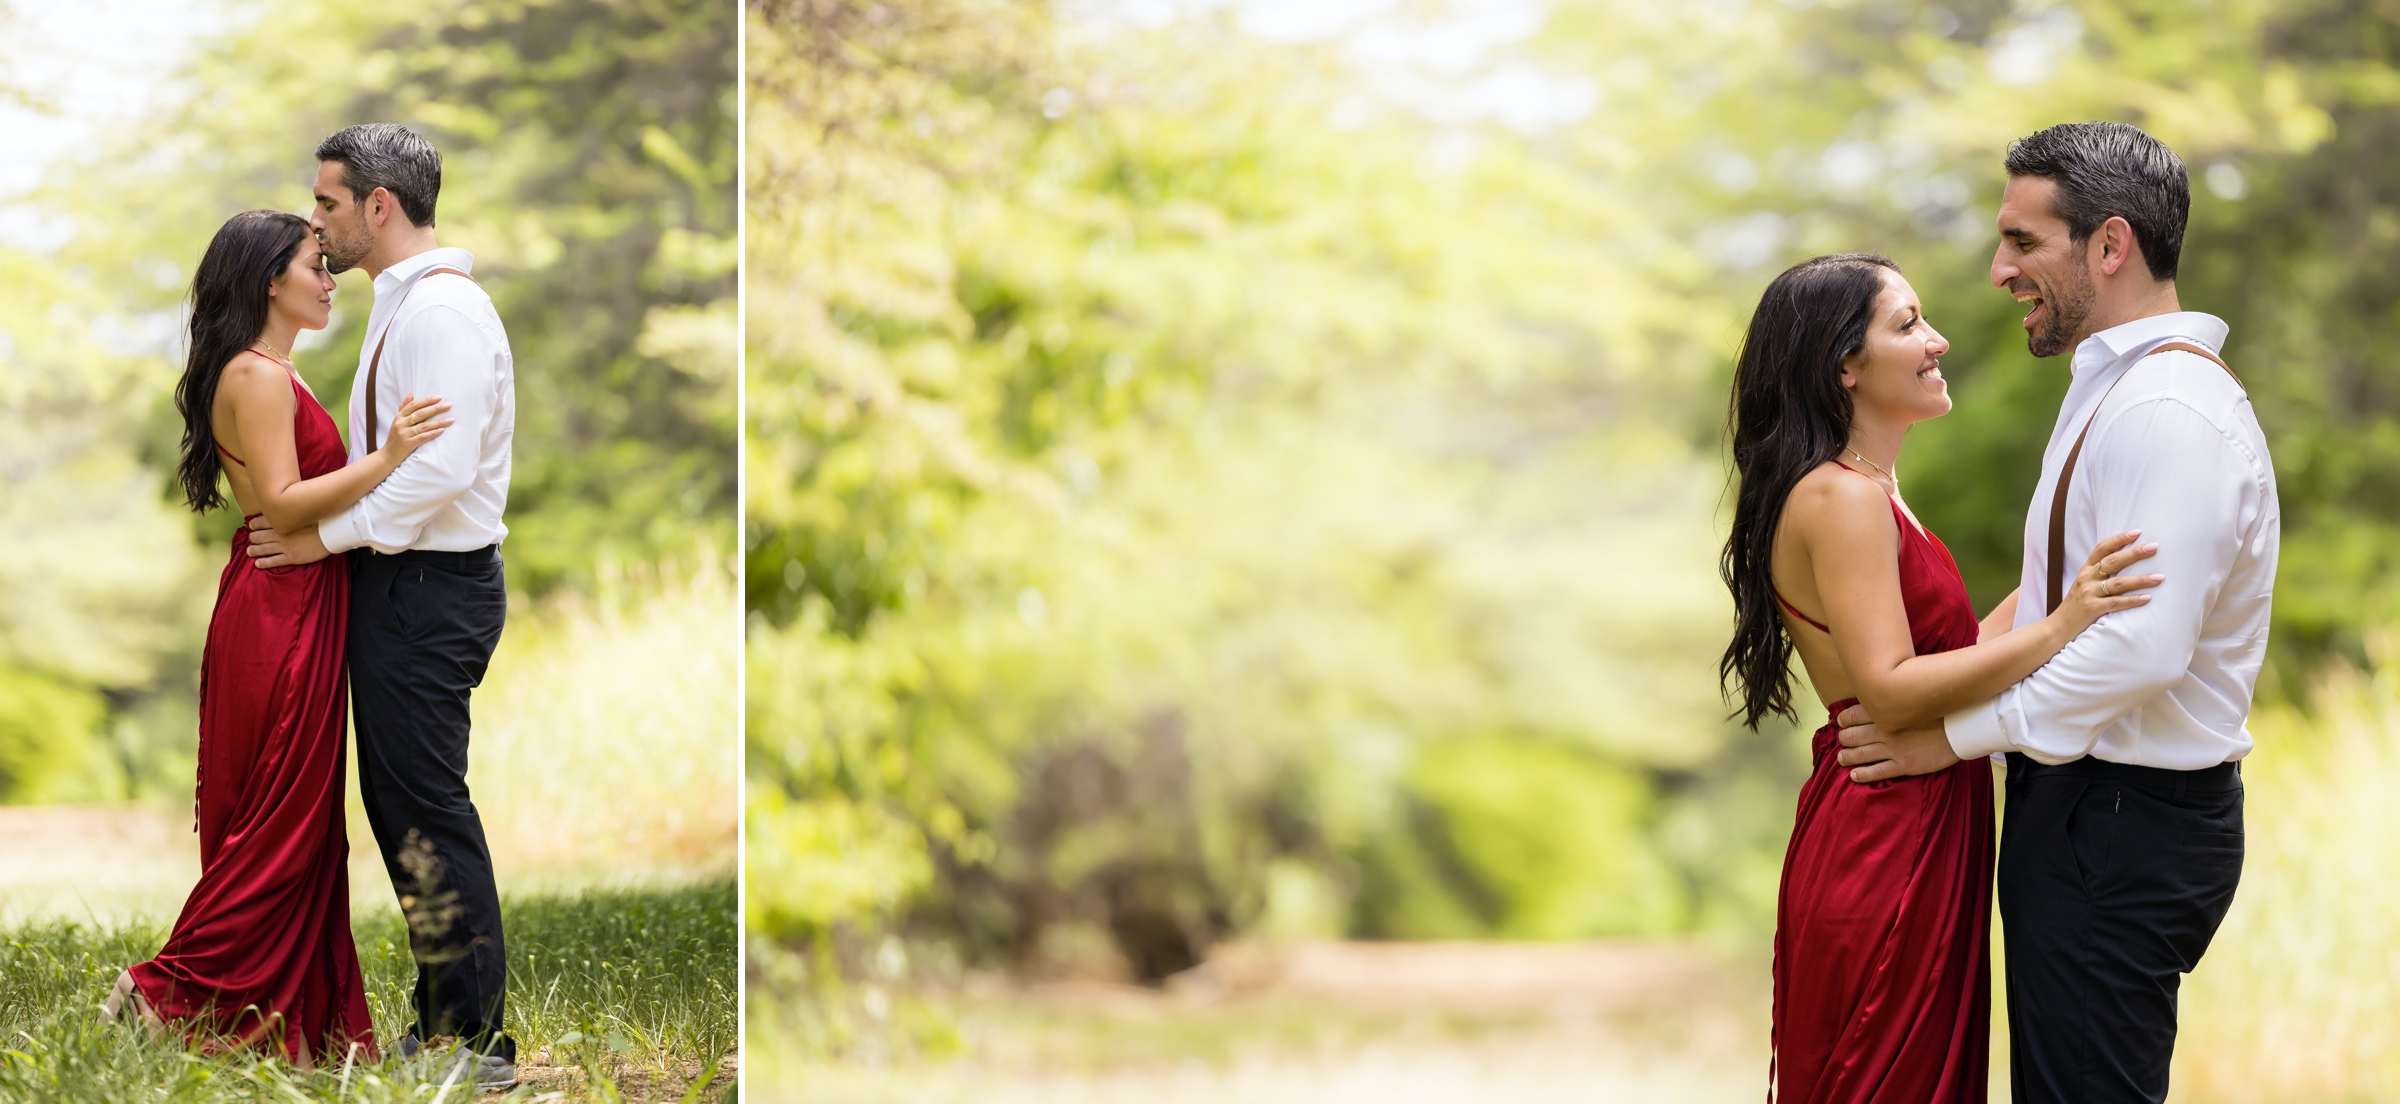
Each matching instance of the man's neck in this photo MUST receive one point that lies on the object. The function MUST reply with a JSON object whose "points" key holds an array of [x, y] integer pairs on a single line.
{"points": [[2151, 302], [383, 258]]}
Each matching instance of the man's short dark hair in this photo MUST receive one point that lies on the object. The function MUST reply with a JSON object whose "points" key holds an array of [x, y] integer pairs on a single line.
{"points": [[391, 157], [2111, 170]]}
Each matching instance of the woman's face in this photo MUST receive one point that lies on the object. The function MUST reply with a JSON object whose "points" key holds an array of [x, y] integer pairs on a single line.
{"points": [[304, 292], [1897, 376]]}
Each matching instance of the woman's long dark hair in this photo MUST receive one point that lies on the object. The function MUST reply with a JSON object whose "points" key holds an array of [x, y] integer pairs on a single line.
{"points": [[229, 311], [1789, 414]]}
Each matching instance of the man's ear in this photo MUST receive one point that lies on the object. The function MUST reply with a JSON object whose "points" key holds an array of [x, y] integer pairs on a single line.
{"points": [[379, 206], [2115, 241]]}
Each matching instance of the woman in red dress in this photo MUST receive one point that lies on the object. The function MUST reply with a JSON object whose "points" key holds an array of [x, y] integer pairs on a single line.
{"points": [[262, 953], [1882, 965]]}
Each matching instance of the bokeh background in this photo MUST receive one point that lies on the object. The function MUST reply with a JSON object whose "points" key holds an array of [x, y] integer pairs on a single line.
{"points": [[1230, 481], [589, 153]]}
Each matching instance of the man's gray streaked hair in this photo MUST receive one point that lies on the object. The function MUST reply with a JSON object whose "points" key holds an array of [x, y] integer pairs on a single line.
{"points": [[2111, 170], [391, 157]]}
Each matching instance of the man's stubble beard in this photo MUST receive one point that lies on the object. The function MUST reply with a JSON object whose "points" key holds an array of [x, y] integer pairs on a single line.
{"points": [[2068, 311], [342, 253]]}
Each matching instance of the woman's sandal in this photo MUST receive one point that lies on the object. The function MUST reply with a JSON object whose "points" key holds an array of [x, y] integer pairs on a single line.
{"points": [[124, 993]]}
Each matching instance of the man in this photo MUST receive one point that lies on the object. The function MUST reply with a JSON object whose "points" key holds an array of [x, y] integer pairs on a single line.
{"points": [[427, 596], [2123, 837]]}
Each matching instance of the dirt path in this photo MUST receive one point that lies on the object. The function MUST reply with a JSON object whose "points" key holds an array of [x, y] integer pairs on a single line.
{"points": [[94, 862], [112, 863], [1339, 1023]]}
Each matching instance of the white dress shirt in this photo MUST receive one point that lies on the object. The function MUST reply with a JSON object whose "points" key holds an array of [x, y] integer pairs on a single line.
{"points": [[445, 339], [2175, 452]]}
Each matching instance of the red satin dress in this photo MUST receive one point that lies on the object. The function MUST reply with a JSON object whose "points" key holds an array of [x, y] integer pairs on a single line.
{"points": [[262, 954], [1882, 950]]}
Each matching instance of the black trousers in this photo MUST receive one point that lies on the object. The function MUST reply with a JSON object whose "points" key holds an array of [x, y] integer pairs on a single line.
{"points": [[2112, 880], [422, 629]]}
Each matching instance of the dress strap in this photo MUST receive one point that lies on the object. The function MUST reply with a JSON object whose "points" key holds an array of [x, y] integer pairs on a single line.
{"points": [[1787, 604], [230, 456], [1907, 522]]}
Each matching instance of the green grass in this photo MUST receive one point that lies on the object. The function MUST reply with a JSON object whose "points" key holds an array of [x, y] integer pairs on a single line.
{"points": [[630, 994], [2297, 999]]}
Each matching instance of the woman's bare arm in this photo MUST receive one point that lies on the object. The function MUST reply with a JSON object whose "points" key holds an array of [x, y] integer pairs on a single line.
{"points": [[1852, 541], [258, 393]]}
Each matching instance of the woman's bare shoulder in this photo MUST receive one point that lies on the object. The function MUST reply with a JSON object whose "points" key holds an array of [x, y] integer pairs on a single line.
{"points": [[252, 374], [1836, 497]]}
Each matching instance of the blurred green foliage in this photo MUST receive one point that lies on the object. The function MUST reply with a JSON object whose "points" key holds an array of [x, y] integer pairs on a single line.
{"points": [[1151, 481], [589, 150], [48, 736], [1520, 838], [1187, 487]]}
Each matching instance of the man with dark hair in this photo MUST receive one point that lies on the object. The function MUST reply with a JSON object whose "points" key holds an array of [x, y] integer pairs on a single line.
{"points": [[2123, 839], [386, 157], [427, 595]]}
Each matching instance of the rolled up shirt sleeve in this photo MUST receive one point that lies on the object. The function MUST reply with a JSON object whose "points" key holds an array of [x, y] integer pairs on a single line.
{"points": [[2163, 468], [449, 356]]}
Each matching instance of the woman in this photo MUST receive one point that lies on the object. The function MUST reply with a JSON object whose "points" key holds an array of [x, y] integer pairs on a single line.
{"points": [[262, 951], [1882, 982]]}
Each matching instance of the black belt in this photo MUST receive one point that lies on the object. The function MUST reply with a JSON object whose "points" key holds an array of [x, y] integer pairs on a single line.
{"points": [[485, 556], [2222, 778]]}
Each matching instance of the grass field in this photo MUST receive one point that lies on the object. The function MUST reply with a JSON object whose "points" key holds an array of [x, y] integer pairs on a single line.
{"points": [[617, 994], [604, 763]]}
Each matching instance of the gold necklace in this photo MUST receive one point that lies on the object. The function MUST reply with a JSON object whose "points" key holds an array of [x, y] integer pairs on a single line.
{"points": [[261, 345], [1878, 467]]}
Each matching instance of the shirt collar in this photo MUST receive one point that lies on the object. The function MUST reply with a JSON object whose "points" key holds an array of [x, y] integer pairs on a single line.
{"points": [[2114, 342], [405, 270]]}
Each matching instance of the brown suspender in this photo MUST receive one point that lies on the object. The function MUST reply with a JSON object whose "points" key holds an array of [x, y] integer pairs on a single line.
{"points": [[373, 442], [2066, 474]]}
